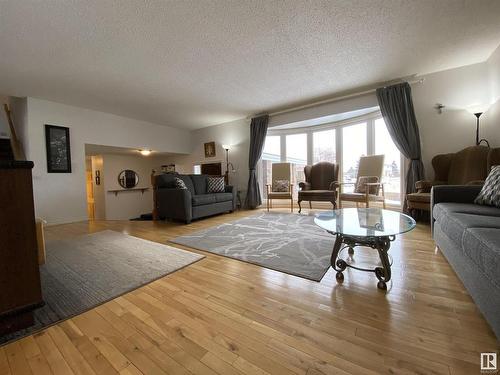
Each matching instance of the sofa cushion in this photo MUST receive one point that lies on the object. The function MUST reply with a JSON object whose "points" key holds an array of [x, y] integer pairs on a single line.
{"points": [[187, 182], [490, 193], [200, 183], [203, 199], [419, 197], [444, 209], [482, 246], [456, 224], [223, 197], [166, 180], [215, 185], [179, 184], [307, 193]]}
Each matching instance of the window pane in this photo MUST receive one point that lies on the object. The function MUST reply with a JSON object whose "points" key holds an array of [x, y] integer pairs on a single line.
{"points": [[272, 148], [270, 155], [296, 148], [296, 153], [392, 165], [353, 147], [324, 146]]}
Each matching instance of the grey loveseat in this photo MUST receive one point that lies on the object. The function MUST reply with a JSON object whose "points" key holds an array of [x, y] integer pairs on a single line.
{"points": [[469, 237], [193, 202]]}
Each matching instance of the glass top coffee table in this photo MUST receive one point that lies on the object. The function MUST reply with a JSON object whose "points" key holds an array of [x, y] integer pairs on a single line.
{"points": [[371, 227]]}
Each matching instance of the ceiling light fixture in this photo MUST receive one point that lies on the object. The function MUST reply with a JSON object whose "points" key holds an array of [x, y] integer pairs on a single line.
{"points": [[145, 152]]}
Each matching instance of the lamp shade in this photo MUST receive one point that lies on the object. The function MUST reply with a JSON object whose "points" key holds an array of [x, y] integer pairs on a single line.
{"points": [[226, 147], [145, 152], [477, 108]]}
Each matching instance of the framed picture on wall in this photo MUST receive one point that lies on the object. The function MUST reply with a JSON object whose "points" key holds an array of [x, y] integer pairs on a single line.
{"points": [[58, 149], [209, 149]]}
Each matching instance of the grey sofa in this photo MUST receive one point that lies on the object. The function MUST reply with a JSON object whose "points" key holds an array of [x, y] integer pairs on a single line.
{"points": [[469, 237], [191, 203]]}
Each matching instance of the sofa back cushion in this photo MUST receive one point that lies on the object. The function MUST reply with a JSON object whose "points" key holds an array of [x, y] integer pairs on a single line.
{"points": [[215, 185], [490, 193], [167, 180], [321, 175], [200, 183], [468, 165]]}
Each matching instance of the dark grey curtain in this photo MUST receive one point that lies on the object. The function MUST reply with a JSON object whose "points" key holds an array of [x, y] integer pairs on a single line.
{"points": [[258, 131], [396, 106]]}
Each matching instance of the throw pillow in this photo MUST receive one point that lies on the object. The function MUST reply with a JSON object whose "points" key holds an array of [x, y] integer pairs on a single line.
{"points": [[490, 193], [179, 184], [361, 185], [281, 186], [215, 185]]}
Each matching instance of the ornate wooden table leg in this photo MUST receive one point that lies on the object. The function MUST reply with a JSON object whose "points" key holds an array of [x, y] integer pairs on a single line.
{"points": [[383, 273], [338, 265]]}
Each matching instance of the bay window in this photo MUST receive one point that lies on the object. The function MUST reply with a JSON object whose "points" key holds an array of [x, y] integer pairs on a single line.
{"points": [[343, 142]]}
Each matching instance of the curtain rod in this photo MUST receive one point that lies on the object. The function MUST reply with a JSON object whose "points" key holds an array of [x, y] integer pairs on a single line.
{"points": [[336, 99]]}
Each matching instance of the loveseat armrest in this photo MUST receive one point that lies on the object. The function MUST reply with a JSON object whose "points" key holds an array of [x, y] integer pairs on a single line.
{"points": [[232, 190], [476, 182], [334, 185], [454, 193], [305, 185], [174, 203], [425, 186]]}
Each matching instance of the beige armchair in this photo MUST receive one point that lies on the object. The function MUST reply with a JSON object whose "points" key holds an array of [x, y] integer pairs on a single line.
{"points": [[368, 186], [281, 186], [321, 184]]}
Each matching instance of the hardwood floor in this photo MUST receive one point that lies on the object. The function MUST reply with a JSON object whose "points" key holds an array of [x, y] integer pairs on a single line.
{"points": [[223, 316]]}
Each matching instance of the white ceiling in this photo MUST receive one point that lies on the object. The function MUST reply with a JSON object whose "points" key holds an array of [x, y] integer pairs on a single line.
{"points": [[192, 64]]}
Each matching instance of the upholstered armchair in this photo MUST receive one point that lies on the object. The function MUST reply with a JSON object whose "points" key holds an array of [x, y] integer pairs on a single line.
{"points": [[467, 167], [368, 186], [281, 186], [321, 184]]}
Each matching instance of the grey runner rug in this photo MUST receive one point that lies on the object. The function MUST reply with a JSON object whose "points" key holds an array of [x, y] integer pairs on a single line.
{"points": [[86, 271], [285, 242]]}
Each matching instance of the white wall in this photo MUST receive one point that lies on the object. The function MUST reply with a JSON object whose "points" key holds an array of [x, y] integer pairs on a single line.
{"points": [[61, 197], [235, 133], [453, 129], [4, 128], [491, 118], [128, 204], [19, 113], [457, 89]]}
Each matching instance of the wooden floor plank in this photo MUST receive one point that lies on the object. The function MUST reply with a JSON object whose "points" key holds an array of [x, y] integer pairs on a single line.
{"points": [[4, 363], [52, 354]]}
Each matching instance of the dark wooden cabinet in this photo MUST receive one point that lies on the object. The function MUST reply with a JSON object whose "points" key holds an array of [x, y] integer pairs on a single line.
{"points": [[20, 290]]}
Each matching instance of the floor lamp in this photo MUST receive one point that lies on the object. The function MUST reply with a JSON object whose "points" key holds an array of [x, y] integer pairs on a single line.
{"points": [[478, 111], [228, 164]]}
